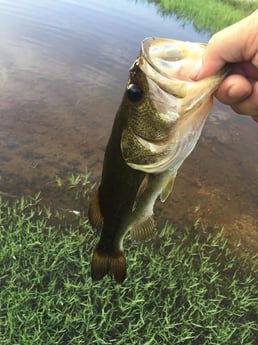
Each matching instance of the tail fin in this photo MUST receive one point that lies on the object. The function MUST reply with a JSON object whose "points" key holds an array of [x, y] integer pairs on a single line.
{"points": [[103, 264]]}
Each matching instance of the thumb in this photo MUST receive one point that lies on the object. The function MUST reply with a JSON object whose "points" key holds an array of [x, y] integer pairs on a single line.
{"points": [[210, 65], [226, 46]]}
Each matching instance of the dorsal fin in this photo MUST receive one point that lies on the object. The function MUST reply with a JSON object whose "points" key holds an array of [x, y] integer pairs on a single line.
{"points": [[144, 230], [94, 213], [167, 188]]}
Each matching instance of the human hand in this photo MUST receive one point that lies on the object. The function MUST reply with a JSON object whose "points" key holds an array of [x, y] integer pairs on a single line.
{"points": [[237, 44]]}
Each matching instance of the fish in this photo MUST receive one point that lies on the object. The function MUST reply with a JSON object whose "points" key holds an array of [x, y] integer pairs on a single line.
{"points": [[157, 125]]}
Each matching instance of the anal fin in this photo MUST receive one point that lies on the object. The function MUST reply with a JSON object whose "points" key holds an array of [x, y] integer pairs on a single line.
{"points": [[103, 264], [94, 213], [144, 230]]}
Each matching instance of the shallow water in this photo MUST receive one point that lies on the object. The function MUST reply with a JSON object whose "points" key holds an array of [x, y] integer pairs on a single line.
{"points": [[63, 67]]}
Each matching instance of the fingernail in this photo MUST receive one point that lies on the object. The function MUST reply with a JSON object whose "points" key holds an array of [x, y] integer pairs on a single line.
{"points": [[196, 70], [235, 92]]}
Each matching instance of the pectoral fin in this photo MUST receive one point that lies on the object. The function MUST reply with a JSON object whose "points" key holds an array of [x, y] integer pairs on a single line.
{"points": [[144, 230], [142, 188], [94, 213], [167, 188]]}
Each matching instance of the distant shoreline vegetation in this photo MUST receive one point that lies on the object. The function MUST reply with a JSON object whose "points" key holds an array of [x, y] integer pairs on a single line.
{"points": [[207, 15]]}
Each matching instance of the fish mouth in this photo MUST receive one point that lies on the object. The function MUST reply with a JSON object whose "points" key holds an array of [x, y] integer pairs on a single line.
{"points": [[169, 63], [171, 58]]}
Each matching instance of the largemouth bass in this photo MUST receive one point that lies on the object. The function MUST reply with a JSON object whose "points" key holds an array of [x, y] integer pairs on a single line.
{"points": [[156, 127]]}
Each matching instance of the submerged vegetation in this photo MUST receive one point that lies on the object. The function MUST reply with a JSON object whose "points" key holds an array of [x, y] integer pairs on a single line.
{"points": [[179, 289], [210, 15]]}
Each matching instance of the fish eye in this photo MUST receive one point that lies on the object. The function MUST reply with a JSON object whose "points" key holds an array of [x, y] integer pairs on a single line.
{"points": [[134, 92]]}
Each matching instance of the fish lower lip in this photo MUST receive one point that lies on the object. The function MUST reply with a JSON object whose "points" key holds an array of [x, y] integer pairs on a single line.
{"points": [[170, 58]]}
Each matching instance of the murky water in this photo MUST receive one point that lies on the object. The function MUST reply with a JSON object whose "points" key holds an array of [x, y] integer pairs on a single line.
{"points": [[63, 67]]}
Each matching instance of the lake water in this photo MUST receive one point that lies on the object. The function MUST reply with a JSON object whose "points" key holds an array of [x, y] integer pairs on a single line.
{"points": [[63, 68]]}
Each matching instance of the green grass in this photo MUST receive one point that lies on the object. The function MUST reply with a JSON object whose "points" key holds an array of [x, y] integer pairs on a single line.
{"points": [[179, 289], [210, 15]]}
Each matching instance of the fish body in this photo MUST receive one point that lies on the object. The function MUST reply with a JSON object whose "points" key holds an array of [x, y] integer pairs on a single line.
{"points": [[156, 127]]}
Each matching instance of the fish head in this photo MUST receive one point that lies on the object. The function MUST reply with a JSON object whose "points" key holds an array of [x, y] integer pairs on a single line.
{"points": [[166, 109]]}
